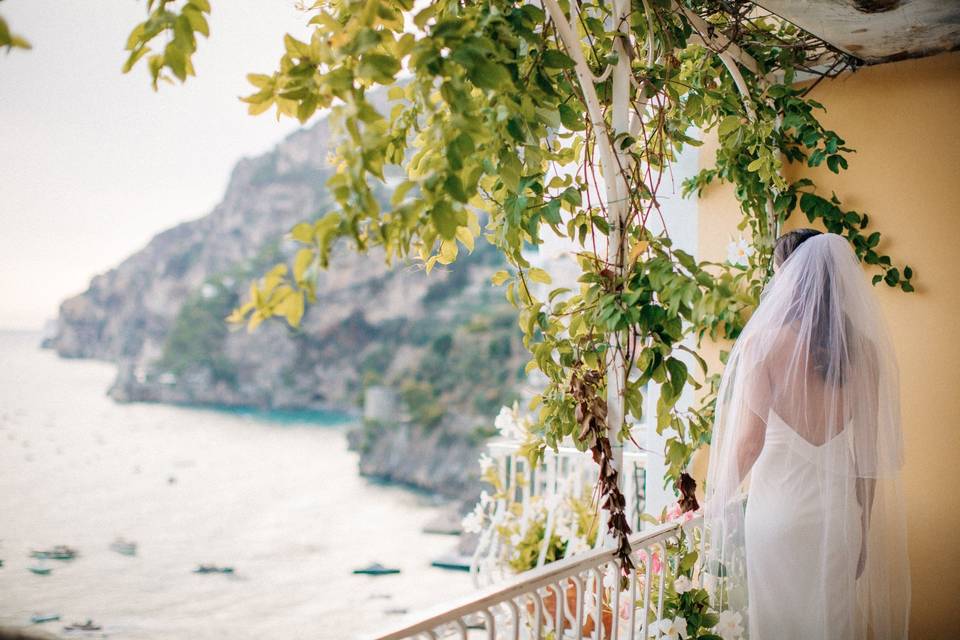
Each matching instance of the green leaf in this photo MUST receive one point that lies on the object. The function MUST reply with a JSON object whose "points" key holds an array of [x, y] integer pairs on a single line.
{"points": [[378, 67], [572, 195], [176, 60], [554, 59], [445, 220], [728, 125], [499, 277], [551, 212], [197, 22], [490, 75], [134, 57], [301, 263], [678, 375], [539, 275], [454, 187], [570, 119]]}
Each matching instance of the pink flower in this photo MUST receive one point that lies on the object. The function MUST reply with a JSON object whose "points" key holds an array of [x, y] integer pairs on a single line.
{"points": [[655, 564], [625, 608], [674, 512]]}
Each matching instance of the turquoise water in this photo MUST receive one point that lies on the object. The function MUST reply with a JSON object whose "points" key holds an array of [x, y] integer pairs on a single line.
{"points": [[282, 417], [275, 496]]}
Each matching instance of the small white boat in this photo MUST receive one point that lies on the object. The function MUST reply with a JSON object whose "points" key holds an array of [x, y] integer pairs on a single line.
{"points": [[40, 618], [376, 569], [124, 547], [89, 625], [212, 568]]}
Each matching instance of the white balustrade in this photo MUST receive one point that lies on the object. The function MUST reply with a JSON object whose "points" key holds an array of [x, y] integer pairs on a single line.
{"points": [[562, 472], [576, 598]]}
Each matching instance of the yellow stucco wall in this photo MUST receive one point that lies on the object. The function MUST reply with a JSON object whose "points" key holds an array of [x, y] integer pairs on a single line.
{"points": [[904, 121]]}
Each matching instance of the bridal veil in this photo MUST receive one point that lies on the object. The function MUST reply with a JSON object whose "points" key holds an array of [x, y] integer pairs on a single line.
{"points": [[814, 377]]}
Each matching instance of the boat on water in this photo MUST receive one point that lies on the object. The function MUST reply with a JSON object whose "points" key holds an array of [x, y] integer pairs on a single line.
{"points": [[452, 562], [376, 569], [59, 552], [40, 571], [40, 618], [212, 568], [89, 625], [124, 547]]}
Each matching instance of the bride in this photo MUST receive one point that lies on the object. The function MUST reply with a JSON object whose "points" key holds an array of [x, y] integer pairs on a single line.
{"points": [[805, 525]]}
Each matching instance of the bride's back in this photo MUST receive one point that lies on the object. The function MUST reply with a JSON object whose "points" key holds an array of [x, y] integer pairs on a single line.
{"points": [[814, 399]]}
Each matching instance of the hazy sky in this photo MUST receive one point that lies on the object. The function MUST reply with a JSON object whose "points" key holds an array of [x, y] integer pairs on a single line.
{"points": [[94, 163]]}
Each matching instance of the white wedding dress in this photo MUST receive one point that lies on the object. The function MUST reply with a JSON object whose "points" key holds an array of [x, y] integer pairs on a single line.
{"points": [[802, 532], [803, 487]]}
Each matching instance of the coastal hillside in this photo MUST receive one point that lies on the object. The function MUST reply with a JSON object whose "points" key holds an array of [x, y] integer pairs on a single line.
{"points": [[446, 343]]}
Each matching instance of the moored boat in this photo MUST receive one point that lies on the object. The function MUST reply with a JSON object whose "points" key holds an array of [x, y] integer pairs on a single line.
{"points": [[89, 625], [376, 569], [59, 552], [124, 547], [452, 562], [40, 618], [212, 568]]}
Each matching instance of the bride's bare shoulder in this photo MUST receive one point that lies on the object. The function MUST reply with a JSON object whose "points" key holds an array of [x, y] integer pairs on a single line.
{"points": [[772, 340]]}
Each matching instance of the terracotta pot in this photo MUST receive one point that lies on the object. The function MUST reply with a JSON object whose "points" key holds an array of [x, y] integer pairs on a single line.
{"points": [[550, 611]]}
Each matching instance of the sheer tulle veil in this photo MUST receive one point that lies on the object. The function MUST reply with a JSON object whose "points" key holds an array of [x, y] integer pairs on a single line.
{"points": [[816, 356]]}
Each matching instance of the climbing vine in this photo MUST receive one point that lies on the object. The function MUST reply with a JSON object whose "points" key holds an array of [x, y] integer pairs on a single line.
{"points": [[518, 121]]}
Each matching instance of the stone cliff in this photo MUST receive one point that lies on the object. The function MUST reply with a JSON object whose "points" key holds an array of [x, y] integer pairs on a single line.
{"points": [[446, 342]]}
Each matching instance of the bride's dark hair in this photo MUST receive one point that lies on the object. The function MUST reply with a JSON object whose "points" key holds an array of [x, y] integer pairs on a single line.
{"points": [[788, 243], [824, 328]]}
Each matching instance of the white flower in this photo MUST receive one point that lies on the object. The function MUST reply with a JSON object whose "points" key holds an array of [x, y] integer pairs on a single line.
{"points": [[683, 584], [609, 578], [729, 627], [510, 424], [505, 422], [486, 463], [739, 252], [564, 530], [577, 544], [485, 498], [473, 521], [670, 629]]}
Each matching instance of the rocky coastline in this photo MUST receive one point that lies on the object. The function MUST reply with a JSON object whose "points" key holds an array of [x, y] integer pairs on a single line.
{"points": [[445, 343]]}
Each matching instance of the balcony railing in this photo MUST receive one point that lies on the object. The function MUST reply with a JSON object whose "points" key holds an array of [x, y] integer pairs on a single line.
{"points": [[575, 598], [565, 471]]}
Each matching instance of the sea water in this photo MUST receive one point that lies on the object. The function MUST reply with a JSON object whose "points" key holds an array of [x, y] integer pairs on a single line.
{"points": [[277, 497]]}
